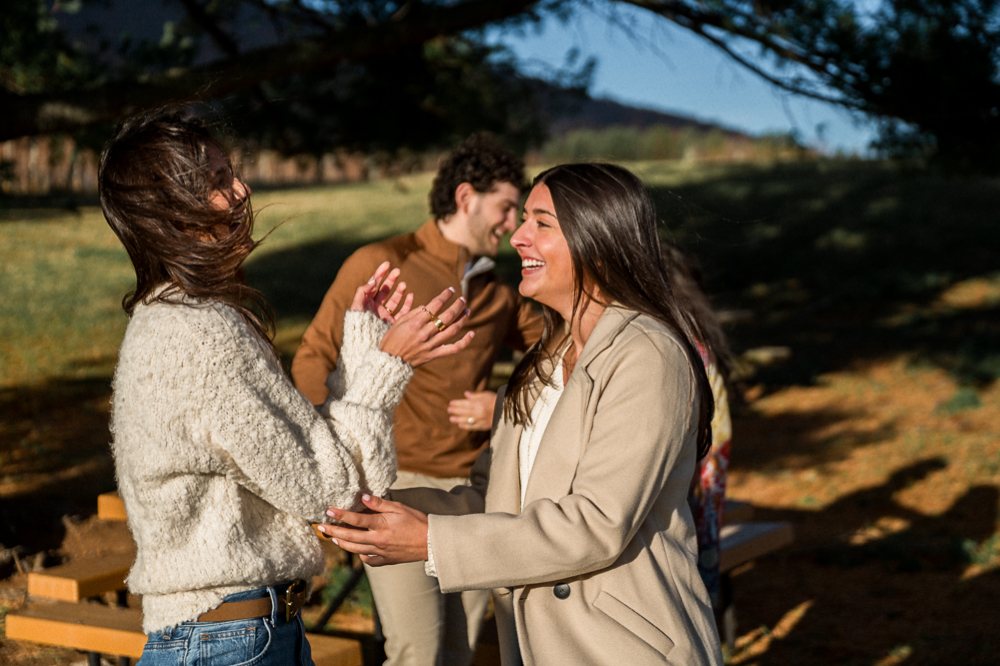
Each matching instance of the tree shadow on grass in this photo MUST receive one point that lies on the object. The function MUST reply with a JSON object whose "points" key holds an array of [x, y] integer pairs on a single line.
{"points": [[44, 206], [823, 255], [870, 577], [775, 443], [56, 458]]}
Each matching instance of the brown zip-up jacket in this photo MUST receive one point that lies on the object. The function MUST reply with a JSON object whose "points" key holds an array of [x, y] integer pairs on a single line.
{"points": [[426, 441]]}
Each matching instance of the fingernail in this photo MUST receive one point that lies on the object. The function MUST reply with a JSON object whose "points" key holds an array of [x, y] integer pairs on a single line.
{"points": [[335, 541], [330, 513], [466, 311], [461, 298], [366, 497], [451, 289]]}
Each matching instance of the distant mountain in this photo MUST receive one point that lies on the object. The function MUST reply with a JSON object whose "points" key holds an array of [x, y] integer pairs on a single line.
{"points": [[571, 110]]}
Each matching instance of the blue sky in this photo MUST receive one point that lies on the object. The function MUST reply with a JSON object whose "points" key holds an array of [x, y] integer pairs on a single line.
{"points": [[667, 68]]}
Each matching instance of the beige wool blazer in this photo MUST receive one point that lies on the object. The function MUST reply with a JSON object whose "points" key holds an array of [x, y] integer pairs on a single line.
{"points": [[599, 566]]}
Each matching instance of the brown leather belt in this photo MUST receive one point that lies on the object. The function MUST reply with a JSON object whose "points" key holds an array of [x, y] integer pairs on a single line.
{"points": [[289, 601]]}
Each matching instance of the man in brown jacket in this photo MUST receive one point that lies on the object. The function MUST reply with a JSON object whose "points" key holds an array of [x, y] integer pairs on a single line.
{"points": [[444, 420]]}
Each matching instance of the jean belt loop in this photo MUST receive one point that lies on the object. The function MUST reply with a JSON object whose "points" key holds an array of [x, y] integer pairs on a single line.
{"points": [[276, 607]]}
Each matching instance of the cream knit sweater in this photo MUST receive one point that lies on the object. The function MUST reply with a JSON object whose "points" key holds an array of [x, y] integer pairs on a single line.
{"points": [[222, 464]]}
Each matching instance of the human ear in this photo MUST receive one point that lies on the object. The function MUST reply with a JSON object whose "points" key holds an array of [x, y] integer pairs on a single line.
{"points": [[464, 194]]}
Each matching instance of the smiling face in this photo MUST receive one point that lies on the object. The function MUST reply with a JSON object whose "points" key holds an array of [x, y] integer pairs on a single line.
{"points": [[546, 265], [491, 216]]}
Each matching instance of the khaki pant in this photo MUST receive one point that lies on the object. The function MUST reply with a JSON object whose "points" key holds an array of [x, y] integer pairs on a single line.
{"points": [[422, 626]]}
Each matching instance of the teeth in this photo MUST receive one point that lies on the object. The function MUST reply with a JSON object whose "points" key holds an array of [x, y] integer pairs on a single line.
{"points": [[531, 263]]}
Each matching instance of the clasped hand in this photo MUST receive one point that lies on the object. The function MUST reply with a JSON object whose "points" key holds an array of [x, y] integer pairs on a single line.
{"points": [[393, 533], [416, 335]]}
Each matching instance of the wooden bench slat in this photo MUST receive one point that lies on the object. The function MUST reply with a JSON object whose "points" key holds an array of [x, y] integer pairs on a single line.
{"points": [[118, 631], [86, 627], [742, 542], [334, 651], [110, 506], [81, 579]]}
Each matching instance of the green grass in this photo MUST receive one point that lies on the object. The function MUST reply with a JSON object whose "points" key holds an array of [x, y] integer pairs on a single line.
{"points": [[853, 252], [61, 284]]}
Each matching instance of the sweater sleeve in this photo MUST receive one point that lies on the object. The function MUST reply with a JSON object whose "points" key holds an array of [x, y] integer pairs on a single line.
{"points": [[360, 332], [274, 442], [319, 352], [349, 385]]}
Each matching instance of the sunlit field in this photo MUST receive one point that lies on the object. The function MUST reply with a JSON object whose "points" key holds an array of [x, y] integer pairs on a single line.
{"points": [[864, 301]]}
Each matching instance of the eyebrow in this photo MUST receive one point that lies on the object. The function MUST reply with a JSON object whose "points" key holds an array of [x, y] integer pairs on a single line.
{"points": [[538, 211]]}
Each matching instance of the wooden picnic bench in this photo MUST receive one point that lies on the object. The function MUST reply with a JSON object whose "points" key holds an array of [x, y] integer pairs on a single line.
{"points": [[111, 507], [742, 542], [81, 579], [60, 615]]}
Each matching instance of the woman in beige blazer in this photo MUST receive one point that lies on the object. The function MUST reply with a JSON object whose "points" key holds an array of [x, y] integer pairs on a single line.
{"points": [[577, 517]]}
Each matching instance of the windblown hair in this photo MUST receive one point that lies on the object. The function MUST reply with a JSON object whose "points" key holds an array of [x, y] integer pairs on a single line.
{"points": [[156, 181], [689, 288], [479, 161], [609, 222]]}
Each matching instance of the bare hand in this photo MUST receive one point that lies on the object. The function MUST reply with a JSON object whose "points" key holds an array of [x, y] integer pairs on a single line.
{"points": [[392, 534], [475, 412], [420, 335], [378, 297]]}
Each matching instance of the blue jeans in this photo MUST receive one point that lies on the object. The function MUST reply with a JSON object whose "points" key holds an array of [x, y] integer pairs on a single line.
{"points": [[260, 641]]}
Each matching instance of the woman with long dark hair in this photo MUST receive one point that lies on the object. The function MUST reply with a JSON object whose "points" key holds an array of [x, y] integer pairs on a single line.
{"points": [[221, 463], [577, 517], [708, 487]]}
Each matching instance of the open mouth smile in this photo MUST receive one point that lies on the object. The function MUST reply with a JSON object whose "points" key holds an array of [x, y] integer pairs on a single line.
{"points": [[531, 264]]}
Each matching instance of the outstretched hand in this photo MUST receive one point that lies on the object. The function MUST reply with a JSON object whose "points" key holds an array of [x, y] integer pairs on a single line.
{"points": [[392, 534], [378, 297], [421, 334]]}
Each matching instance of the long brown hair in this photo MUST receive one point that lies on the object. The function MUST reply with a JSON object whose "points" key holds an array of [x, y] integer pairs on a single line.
{"points": [[156, 181], [688, 284], [609, 222]]}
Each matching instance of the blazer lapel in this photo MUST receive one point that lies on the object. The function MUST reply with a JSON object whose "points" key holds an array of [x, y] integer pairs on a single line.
{"points": [[503, 493], [568, 430], [612, 322], [561, 447]]}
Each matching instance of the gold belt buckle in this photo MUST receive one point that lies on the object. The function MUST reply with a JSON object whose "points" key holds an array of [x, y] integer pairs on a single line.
{"points": [[297, 586]]}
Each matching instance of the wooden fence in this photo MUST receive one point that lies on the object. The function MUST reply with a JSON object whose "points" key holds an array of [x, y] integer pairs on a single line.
{"points": [[45, 165]]}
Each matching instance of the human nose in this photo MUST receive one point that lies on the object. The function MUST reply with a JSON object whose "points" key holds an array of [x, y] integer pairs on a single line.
{"points": [[242, 189], [520, 237]]}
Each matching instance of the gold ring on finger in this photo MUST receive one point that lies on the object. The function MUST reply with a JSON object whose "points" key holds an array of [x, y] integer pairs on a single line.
{"points": [[429, 313], [440, 324]]}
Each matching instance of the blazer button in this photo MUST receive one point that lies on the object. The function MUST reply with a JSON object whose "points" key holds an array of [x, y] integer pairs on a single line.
{"points": [[561, 591]]}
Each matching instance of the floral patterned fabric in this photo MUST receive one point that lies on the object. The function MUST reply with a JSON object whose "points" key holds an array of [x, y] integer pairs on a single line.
{"points": [[708, 488]]}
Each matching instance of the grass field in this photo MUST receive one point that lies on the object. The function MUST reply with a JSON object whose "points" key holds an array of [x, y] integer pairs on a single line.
{"points": [[878, 435]]}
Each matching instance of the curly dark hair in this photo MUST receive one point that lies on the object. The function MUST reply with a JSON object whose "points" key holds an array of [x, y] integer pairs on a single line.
{"points": [[479, 161]]}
